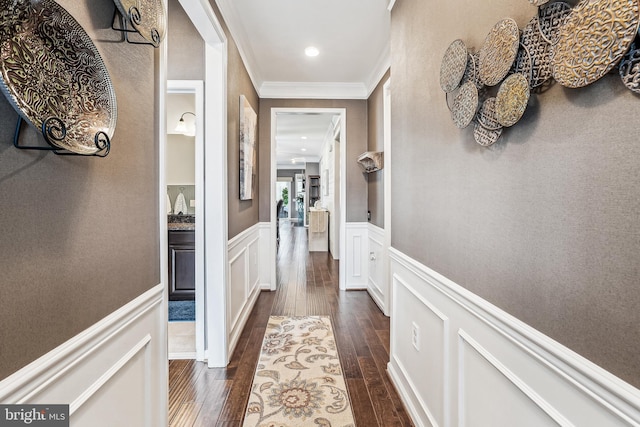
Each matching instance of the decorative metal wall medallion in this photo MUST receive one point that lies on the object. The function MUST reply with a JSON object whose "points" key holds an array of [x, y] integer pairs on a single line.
{"points": [[540, 52], [523, 63], [53, 75], [472, 73], [512, 99], [484, 136], [454, 63], [630, 68], [146, 16], [592, 39], [550, 18], [465, 105], [487, 130], [499, 51]]}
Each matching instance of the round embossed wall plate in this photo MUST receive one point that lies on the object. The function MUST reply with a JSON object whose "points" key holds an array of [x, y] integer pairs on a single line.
{"points": [[499, 51], [50, 68], [512, 99], [487, 130], [146, 16], [454, 64], [630, 68], [550, 17], [465, 105], [592, 39], [540, 52]]}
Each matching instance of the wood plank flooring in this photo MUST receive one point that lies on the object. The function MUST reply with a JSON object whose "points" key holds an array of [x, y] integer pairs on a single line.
{"points": [[307, 285]]}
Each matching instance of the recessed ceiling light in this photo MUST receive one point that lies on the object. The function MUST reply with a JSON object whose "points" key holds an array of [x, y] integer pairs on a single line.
{"points": [[311, 51], [293, 160], [304, 149], [303, 137]]}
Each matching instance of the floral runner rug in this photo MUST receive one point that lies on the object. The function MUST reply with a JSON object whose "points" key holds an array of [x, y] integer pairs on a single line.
{"points": [[298, 380]]}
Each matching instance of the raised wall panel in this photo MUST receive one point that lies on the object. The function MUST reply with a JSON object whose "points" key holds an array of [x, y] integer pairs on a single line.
{"points": [[425, 363], [502, 372], [356, 262], [114, 373], [245, 273], [377, 282]]}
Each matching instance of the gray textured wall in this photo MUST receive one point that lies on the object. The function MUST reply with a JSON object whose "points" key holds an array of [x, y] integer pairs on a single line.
{"points": [[79, 235], [184, 45], [242, 213], [375, 142], [545, 223], [356, 145]]}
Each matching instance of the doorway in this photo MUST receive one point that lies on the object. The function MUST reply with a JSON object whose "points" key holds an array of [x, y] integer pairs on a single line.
{"points": [[292, 153], [184, 176]]}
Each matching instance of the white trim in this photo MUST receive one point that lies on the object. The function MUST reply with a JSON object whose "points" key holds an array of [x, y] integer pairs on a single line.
{"points": [[54, 372], [354, 255], [343, 184], [510, 376], [196, 87], [381, 66], [182, 355], [378, 289], [97, 385], [388, 195], [391, 4], [313, 90], [408, 392], [591, 389]]}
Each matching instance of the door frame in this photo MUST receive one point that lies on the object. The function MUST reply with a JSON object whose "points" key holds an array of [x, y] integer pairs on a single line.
{"points": [[196, 87], [342, 112]]}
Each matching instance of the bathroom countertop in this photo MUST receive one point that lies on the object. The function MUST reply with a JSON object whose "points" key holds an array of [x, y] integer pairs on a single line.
{"points": [[181, 222]]}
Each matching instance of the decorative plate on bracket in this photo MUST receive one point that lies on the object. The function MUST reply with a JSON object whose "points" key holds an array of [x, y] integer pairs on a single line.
{"points": [[53, 75], [147, 17], [499, 51], [592, 39]]}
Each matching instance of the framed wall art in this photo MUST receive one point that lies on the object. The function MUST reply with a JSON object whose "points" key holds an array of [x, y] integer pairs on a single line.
{"points": [[248, 130]]}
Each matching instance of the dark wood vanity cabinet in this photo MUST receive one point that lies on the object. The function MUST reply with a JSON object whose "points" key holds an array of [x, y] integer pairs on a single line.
{"points": [[182, 265]]}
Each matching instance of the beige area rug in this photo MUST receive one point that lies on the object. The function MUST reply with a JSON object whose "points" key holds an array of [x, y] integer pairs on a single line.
{"points": [[298, 381]]}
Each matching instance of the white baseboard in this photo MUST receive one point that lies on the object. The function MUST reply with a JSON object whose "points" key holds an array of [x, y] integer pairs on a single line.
{"points": [[465, 344], [122, 359], [183, 355]]}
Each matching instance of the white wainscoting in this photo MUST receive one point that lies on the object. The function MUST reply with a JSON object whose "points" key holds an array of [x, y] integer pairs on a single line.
{"points": [[244, 253], [267, 257], [112, 374], [356, 262], [378, 280], [458, 360]]}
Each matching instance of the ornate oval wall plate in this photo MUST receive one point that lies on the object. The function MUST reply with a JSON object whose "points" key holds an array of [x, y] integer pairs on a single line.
{"points": [[53, 75], [630, 69], [487, 130], [465, 105], [540, 52], [550, 18], [146, 16], [592, 39], [499, 51], [454, 64], [512, 99]]}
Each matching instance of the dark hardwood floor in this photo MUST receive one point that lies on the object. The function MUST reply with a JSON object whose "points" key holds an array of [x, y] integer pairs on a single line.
{"points": [[307, 285]]}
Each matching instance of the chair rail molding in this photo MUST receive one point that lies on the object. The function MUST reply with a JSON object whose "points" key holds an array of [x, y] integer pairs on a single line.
{"points": [[122, 358], [535, 381]]}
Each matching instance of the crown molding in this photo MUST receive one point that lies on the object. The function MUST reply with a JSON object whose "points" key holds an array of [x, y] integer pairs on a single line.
{"points": [[382, 66], [391, 4], [239, 36], [311, 90]]}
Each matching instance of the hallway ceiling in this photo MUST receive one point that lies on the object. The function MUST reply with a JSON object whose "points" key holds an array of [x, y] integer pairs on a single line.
{"points": [[352, 37], [299, 138]]}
